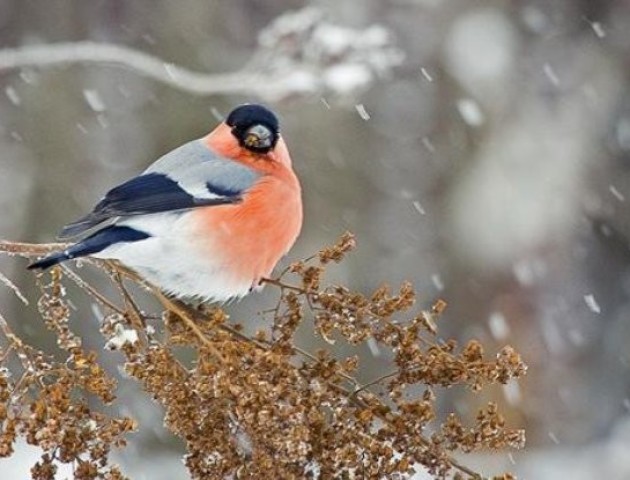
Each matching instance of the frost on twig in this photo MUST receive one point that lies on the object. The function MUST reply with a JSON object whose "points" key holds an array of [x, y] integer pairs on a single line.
{"points": [[300, 53]]}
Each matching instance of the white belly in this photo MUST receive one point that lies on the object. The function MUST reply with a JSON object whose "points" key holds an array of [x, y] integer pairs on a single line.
{"points": [[172, 262]]}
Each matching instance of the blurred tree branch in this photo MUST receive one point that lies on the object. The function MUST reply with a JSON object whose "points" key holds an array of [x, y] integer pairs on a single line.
{"points": [[299, 53], [147, 65]]}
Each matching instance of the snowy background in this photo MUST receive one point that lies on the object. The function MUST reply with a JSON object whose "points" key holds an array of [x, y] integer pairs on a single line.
{"points": [[480, 149]]}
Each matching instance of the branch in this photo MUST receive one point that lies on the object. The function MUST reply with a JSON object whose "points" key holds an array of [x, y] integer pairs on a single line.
{"points": [[315, 405], [300, 53], [66, 54], [30, 249]]}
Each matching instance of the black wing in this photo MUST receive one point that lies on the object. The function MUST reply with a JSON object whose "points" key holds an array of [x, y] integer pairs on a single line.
{"points": [[150, 193]]}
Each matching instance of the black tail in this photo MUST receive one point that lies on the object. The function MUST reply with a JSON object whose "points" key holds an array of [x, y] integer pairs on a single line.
{"points": [[90, 245], [49, 261]]}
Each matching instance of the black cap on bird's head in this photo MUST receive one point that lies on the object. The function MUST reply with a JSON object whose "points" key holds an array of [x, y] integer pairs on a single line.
{"points": [[255, 127]]}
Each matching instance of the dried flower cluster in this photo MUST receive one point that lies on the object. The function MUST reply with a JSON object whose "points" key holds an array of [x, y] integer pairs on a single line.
{"points": [[45, 401], [254, 406]]}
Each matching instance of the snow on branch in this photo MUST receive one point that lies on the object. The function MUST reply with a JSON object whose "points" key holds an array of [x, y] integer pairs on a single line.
{"points": [[299, 53], [145, 64]]}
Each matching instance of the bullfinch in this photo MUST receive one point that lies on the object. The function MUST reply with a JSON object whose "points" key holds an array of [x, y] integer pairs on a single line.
{"points": [[207, 220]]}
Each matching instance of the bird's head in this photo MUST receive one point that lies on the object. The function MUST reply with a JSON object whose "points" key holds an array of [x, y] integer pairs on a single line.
{"points": [[255, 127], [251, 135]]}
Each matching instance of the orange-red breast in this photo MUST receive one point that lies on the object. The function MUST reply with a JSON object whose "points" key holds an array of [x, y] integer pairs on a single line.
{"points": [[208, 219]]}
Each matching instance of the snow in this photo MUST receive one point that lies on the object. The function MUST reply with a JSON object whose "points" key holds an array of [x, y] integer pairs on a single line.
{"points": [[576, 337], [534, 19], [363, 113], [290, 23], [374, 348], [616, 193], [592, 303], [122, 336], [327, 56], [552, 436], [426, 74], [16, 136], [428, 144], [622, 132], [551, 75], [512, 392], [374, 36], [298, 81], [102, 121], [12, 95], [498, 325], [94, 100], [480, 49], [598, 29], [419, 208], [24, 457], [333, 39], [347, 78], [470, 111], [171, 70], [28, 76], [436, 279], [525, 272], [218, 116], [243, 440], [149, 39], [97, 312], [313, 469]]}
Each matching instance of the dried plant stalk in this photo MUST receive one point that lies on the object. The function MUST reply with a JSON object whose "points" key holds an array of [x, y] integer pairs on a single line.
{"points": [[255, 405]]}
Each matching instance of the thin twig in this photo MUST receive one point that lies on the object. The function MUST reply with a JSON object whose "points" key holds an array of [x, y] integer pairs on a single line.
{"points": [[135, 315], [172, 306], [13, 287], [30, 249], [278, 283], [21, 351], [374, 382], [90, 290]]}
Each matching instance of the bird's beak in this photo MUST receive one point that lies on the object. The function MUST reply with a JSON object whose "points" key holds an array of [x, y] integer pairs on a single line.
{"points": [[258, 137]]}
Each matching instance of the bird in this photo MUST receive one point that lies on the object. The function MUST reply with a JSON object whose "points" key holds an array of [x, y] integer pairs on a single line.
{"points": [[208, 220]]}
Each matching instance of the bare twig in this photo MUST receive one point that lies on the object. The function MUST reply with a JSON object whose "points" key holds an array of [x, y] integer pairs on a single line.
{"points": [[30, 249], [172, 306], [283, 286], [13, 287], [376, 381], [90, 290], [135, 316]]}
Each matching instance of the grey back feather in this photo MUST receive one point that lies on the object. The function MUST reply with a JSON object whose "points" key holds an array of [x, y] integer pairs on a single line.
{"points": [[197, 169], [189, 176]]}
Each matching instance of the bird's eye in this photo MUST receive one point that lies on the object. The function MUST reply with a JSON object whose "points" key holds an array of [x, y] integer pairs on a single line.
{"points": [[258, 138]]}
